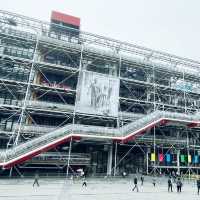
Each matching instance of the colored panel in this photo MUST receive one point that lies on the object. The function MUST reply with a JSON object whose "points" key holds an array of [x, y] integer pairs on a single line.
{"points": [[182, 158], [168, 158], [196, 159], [68, 19], [174, 157], [189, 158], [161, 157], [153, 157]]}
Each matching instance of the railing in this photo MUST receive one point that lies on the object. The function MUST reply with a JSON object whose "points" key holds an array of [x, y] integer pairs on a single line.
{"points": [[75, 158], [17, 33], [51, 105], [171, 140], [68, 107], [96, 130], [39, 129], [11, 103], [130, 115]]}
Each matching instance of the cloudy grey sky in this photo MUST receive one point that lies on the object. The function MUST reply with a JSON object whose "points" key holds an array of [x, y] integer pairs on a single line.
{"points": [[167, 25]]}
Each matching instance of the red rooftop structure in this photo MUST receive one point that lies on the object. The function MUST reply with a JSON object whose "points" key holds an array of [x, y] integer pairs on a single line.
{"points": [[64, 19]]}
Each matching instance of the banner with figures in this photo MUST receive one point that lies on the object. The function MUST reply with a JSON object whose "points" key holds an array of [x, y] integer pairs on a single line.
{"points": [[97, 94]]}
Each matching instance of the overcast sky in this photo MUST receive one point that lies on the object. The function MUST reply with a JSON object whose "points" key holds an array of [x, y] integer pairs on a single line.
{"points": [[172, 26]]}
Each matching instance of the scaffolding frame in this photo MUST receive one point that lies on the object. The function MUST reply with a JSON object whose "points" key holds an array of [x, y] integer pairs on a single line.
{"points": [[93, 47]]}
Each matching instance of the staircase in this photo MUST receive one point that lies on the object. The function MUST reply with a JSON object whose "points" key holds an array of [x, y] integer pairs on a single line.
{"points": [[36, 146]]}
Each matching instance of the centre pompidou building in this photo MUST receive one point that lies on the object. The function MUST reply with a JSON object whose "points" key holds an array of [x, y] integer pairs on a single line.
{"points": [[71, 99]]}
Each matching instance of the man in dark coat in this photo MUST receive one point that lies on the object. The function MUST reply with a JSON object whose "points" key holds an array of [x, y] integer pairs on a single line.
{"points": [[135, 183], [198, 185], [170, 185]]}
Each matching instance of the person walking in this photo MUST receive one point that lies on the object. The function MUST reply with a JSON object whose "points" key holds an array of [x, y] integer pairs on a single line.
{"points": [[135, 184], [198, 186], [170, 185], [142, 179], [84, 182], [83, 178], [36, 179], [179, 185], [154, 182]]}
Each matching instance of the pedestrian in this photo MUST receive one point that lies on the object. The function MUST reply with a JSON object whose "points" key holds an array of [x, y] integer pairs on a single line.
{"points": [[154, 182], [36, 179], [84, 182], [170, 185], [198, 186], [142, 179], [179, 185], [135, 184]]}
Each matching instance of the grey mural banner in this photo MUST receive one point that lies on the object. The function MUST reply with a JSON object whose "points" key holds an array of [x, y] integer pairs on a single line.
{"points": [[97, 94]]}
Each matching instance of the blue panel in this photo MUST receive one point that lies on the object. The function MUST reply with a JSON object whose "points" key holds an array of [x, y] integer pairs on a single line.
{"points": [[195, 159], [168, 158]]}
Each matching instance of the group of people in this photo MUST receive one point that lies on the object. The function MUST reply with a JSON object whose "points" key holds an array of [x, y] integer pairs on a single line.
{"points": [[82, 175], [178, 183], [136, 183]]}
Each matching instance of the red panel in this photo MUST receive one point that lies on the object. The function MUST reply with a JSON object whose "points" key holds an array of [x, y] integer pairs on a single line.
{"points": [[68, 19], [192, 125], [161, 157], [132, 137], [76, 138]]}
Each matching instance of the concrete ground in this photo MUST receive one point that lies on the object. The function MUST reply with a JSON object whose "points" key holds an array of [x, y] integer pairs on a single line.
{"points": [[97, 189]]}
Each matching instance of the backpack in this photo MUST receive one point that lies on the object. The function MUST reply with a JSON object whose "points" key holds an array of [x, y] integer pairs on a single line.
{"points": [[179, 183]]}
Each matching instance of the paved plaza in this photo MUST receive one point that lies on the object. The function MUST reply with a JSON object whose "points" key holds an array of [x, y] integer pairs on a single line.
{"points": [[97, 189]]}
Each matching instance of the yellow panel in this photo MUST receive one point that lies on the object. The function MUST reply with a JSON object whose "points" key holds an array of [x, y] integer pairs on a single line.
{"points": [[153, 157], [189, 158]]}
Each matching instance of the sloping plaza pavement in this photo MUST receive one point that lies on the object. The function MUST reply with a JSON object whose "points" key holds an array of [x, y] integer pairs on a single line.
{"points": [[97, 189]]}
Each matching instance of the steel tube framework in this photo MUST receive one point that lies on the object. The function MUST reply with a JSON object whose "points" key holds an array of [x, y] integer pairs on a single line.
{"points": [[146, 84]]}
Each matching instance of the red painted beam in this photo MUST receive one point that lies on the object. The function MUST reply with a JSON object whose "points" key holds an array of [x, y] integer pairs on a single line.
{"points": [[130, 138], [163, 122], [192, 125], [76, 138], [117, 140]]}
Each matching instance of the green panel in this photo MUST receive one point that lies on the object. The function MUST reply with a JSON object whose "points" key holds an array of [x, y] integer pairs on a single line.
{"points": [[182, 158]]}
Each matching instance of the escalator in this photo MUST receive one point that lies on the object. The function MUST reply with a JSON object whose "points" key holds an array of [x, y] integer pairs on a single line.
{"points": [[36, 146]]}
